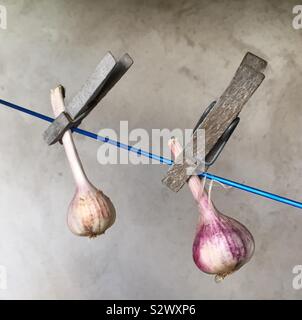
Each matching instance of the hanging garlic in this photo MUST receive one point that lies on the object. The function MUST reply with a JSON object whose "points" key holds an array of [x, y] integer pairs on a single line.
{"points": [[90, 212], [222, 245]]}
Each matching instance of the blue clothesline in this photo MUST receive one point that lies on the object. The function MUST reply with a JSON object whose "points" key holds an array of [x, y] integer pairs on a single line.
{"points": [[161, 159]]}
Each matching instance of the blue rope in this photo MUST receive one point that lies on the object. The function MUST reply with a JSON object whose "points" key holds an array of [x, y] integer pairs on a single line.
{"points": [[161, 159]]}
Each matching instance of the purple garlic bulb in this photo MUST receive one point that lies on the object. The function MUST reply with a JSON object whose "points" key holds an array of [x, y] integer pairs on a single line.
{"points": [[222, 245]]}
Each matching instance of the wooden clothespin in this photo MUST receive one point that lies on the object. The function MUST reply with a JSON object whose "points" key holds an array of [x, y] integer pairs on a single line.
{"points": [[218, 122], [106, 75]]}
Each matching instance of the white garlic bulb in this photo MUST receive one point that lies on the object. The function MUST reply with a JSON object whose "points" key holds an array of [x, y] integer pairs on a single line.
{"points": [[90, 212]]}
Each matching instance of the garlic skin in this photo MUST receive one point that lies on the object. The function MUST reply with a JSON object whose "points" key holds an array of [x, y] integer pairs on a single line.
{"points": [[90, 212], [222, 245]]}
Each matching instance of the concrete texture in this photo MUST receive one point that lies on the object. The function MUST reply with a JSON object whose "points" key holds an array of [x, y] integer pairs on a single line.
{"points": [[185, 53]]}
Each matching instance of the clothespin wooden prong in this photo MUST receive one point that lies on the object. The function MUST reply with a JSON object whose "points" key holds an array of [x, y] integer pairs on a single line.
{"points": [[106, 75], [218, 119]]}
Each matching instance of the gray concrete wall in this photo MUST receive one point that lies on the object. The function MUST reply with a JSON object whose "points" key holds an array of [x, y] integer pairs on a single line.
{"points": [[185, 53]]}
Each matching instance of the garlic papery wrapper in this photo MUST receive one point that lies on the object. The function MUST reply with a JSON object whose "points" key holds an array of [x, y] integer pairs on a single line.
{"points": [[90, 212], [222, 244]]}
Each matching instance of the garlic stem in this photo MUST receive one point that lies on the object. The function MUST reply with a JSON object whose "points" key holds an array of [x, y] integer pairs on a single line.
{"points": [[74, 160], [196, 185]]}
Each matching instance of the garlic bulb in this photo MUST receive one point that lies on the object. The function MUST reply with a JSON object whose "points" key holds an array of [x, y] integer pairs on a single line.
{"points": [[90, 212], [222, 245]]}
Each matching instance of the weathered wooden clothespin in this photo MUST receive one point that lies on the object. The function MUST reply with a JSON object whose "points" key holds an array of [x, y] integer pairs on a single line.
{"points": [[105, 76], [218, 122]]}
